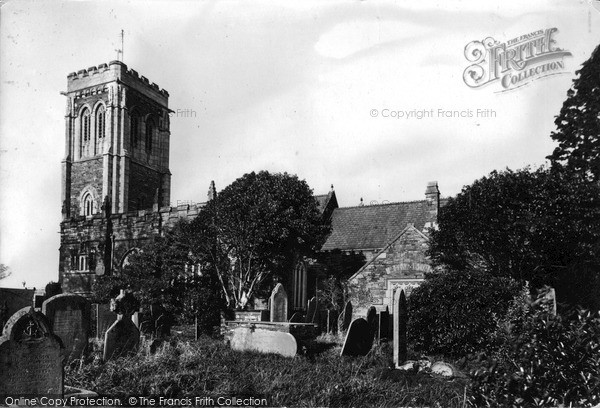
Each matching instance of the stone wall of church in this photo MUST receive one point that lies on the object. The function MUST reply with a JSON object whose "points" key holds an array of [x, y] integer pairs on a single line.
{"points": [[87, 237], [85, 173], [143, 184], [402, 265]]}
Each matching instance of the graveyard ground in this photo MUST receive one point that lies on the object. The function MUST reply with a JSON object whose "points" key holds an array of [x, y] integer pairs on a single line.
{"points": [[208, 368]]}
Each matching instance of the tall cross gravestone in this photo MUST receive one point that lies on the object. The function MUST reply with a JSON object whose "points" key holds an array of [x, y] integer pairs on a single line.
{"points": [[123, 337], [400, 319], [31, 356], [69, 317], [279, 304]]}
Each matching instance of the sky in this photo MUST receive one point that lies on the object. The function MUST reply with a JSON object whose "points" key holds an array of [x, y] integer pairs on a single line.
{"points": [[324, 90]]}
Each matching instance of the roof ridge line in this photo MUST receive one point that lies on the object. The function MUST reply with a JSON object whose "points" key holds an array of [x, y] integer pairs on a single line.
{"points": [[381, 205]]}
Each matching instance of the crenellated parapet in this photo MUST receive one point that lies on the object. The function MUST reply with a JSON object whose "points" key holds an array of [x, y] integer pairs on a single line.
{"points": [[85, 82]]}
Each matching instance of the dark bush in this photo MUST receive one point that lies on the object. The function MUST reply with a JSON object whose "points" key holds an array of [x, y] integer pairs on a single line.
{"points": [[454, 313], [545, 360]]}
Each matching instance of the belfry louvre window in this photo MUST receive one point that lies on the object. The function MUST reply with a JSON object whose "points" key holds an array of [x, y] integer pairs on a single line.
{"points": [[149, 134], [100, 121], [85, 126], [100, 127]]}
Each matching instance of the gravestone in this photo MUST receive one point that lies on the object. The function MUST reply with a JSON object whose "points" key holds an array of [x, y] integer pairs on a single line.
{"points": [[104, 319], [383, 324], [279, 304], [312, 311], [297, 318], [31, 356], [69, 317], [359, 339], [346, 317], [400, 320], [123, 337], [371, 319], [263, 341]]}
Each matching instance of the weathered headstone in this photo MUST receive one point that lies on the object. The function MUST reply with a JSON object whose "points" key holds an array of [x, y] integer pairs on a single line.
{"points": [[359, 339], [31, 356], [69, 317], [297, 318], [104, 319], [371, 319], [312, 311], [264, 341], [383, 324], [400, 320], [279, 304], [123, 337], [346, 317]]}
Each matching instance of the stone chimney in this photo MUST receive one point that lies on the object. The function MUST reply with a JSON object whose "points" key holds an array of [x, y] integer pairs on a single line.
{"points": [[212, 191], [432, 194]]}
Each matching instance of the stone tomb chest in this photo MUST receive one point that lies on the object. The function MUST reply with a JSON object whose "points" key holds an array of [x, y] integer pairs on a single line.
{"points": [[282, 338]]}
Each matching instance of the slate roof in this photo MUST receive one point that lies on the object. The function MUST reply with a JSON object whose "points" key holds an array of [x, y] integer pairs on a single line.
{"points": [[374, 226], [322, 200]]}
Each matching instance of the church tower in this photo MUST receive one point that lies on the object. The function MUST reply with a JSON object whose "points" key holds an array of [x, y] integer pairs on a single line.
{"points": [[116, 142], [116, 181]]}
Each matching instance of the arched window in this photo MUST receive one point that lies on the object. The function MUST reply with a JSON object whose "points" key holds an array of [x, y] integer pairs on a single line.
{"points": [[134, 130], [85, 133], [149, 134], [85, 125], [300, 293], [100, 127], [100, 120], [88, 205]]}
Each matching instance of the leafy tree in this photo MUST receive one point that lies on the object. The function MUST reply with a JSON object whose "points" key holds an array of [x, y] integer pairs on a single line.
{"points": [[531, 225], [578, 124], [256, 229], [455, 312], [165, 272], [338, 268]]}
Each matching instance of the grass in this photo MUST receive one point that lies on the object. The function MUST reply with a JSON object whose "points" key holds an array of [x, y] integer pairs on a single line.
{"points": [[209, 368]]}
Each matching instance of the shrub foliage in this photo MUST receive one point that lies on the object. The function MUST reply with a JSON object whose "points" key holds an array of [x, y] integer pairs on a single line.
{"points": [[545, 360], [454, 312]]}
